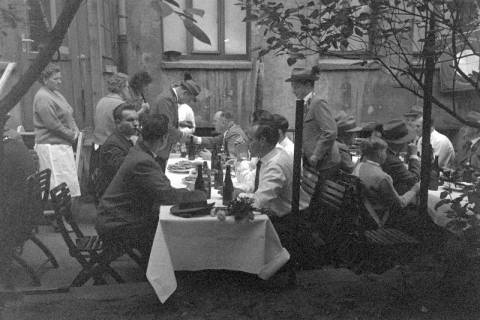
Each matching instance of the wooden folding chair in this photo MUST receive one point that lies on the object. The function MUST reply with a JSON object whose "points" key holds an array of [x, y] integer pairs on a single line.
{"points": [[87, 250]]}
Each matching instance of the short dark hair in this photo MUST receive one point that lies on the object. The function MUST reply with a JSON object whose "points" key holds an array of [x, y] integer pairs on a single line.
{"points": [[154, 127], [372, 146], [117, 112], [267, 130], [261, 115], [280, 122], [139, 80], [226, 114]]}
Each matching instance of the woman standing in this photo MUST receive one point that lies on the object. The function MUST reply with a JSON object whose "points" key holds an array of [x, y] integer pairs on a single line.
{"points": [[55, 130]]}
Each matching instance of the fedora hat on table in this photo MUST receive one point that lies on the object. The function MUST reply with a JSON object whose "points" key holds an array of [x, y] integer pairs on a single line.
{"points": [[192, 204], [397, 132], [299, 74]]}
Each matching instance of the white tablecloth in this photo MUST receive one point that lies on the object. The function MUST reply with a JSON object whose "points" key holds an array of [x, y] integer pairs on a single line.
{"points": [[207, 243]]}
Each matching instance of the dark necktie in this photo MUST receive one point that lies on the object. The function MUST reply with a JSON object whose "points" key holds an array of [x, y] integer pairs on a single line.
{"points": [[257, 176], [225, 146]]}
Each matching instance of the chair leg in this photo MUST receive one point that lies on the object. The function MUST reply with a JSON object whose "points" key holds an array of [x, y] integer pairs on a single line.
{"points": [[45, 250], [142, 263], [35, 280]]}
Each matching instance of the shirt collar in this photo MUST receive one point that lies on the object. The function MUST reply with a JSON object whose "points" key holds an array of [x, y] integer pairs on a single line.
{"points": [[269, 155], [475, 140], [115, 96], [175, 93], [373, 163], [308, 96]]}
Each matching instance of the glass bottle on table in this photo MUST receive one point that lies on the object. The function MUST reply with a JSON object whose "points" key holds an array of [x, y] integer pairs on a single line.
{"points": [[207, 180], [183, 150], [218, 183], [434, 175], [199, 182], [227, 187], [191, 149]]}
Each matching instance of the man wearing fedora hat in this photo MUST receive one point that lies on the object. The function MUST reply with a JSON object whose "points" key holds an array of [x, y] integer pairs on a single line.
{"points": [[399, 137], [347, 128], [167, 103], [320, 153]]}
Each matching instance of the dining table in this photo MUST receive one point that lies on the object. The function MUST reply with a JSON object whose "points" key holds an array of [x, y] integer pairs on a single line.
{"points": [[206, 242]]}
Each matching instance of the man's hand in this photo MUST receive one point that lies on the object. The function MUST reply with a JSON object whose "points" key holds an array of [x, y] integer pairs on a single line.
{"points": [[197, 140], [412, 149], [205, 154], [313, 160], [416, 187], [144, 108]]}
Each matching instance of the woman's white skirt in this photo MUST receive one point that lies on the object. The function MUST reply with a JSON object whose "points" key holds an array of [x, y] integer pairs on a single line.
{"points": [[59, 158]]}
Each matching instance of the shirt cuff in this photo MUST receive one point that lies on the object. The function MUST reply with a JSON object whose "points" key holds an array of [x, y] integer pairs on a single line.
{"points": [[414, 157]]}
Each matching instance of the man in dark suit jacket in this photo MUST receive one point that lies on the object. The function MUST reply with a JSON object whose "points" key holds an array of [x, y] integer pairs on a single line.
{"points": [[167, 103], [128, 212], [231, 134], [116, 147], [398, 135]]}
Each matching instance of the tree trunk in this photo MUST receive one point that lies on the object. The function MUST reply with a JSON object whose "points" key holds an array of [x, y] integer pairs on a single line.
{"points": [[429, 54]]}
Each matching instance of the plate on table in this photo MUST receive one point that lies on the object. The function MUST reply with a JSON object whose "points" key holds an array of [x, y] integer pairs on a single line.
{"points": [[182, 166]]}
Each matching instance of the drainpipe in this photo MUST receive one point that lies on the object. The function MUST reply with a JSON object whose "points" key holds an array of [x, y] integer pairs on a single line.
{"points": [[122, 37]]}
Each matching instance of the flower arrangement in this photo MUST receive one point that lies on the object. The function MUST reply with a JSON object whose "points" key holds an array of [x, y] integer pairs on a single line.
{"points": [[241, 209]]}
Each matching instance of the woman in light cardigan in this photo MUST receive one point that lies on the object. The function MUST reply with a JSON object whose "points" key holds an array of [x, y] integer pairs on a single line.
{"points": [[55, 131]]}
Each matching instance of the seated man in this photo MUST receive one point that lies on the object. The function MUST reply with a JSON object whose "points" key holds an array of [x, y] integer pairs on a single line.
{"points": [[231, 134], [399, 136], [116, 147], [128, 211], [442, 146], [346, 128], [273, 183], [378, 184], [282, 124]]}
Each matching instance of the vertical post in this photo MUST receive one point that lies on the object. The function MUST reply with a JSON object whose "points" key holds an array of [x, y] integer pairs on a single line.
{"points": [[122, 37], [297, 156], [429, 55]]}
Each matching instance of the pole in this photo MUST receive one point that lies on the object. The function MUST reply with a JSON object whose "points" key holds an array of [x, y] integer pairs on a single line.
{"points": [[297, 157], [122, 37]]}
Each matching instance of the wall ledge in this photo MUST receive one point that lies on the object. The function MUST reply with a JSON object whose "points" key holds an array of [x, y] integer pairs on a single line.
{"points": [[207, 64]]}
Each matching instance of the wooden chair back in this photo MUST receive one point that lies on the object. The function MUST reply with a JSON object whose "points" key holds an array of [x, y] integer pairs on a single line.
{"points": [[62, 203]]}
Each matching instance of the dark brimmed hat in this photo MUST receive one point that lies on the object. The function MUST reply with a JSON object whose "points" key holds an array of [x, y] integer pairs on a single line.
{"points": [[191, 86], [299, 74], [397, 132], [473, 116], [415, 111], [192, 204], [348, 124]]}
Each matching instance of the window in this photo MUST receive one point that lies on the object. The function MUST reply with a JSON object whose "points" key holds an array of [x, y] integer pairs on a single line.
{"points": [[222, 22]]}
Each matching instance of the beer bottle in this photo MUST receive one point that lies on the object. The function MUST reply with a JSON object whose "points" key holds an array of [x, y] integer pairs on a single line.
{"points": [[199, 182], [183, 150], [207, 180], [227, 187], [435, 175], [219, 173], [191, 149]]}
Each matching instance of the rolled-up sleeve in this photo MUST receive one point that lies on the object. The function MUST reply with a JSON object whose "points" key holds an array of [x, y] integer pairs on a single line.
{"points": [[272, 182]]}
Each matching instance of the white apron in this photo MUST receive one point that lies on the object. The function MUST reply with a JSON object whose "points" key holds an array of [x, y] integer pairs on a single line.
{"points": [[59, 158]]}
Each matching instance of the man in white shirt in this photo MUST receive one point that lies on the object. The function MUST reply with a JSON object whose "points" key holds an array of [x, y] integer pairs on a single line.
{"points": [[441, 145], [282, 124], [186, 118]]}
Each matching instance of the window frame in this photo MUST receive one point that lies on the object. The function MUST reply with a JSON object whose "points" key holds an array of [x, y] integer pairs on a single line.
{"points": [[220, 53]]}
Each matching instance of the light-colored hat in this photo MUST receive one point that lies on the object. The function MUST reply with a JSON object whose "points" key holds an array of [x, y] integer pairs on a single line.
{"points": [[415, 111], [303, 74], [348, 124]]}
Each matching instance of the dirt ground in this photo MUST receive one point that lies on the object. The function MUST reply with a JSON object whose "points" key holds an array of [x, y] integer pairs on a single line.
{"points": [[319, 294]]}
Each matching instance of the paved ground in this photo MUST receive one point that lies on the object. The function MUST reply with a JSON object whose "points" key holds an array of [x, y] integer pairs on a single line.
{"points": [[320, 294]]}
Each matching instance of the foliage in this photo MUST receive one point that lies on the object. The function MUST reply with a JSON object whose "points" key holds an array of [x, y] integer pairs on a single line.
{"points": [[167, 7], [464, 211], [241, 208], [378, 30]]}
